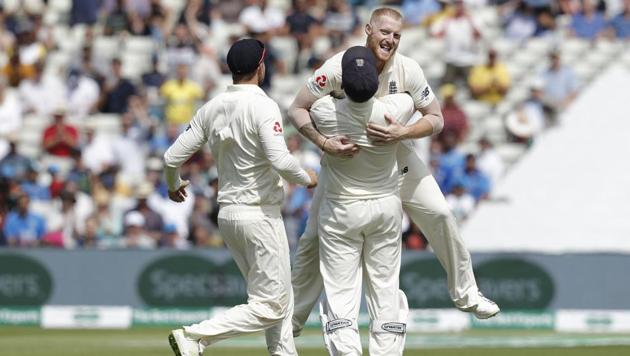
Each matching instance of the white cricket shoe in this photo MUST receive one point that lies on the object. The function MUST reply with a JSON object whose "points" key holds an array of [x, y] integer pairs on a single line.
{"points": [[484, 309], [183, 346]]}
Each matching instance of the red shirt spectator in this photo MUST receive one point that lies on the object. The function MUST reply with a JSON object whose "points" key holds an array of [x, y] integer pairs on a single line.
{"points": [[59, 138], [455, 119]]}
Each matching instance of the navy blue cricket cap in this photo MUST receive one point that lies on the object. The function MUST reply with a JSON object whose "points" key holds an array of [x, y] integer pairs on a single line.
{"points": [[359, 77], [245, 56]]}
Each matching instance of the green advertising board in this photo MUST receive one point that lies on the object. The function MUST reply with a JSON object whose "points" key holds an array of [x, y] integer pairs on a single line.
{"points": [[191, 281], [424, 283], [515, 283], [23, 281]]}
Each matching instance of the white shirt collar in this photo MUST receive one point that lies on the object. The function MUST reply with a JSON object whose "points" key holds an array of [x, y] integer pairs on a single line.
{"points": [[247, 87]]}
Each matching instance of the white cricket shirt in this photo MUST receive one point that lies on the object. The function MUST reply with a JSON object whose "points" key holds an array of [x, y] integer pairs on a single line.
{"points": [[244, 129], [400, 74], [371, 173]]}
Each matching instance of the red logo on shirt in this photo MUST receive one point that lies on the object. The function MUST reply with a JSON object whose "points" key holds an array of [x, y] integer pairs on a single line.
{"points": [[277, 128], [321, 81]]}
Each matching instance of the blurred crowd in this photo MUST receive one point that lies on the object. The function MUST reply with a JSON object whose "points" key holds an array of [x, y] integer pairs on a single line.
{"points": [[93, 175]]}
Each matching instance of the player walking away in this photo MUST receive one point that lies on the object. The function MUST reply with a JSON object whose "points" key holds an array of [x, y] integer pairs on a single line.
{"points": [[244, 129], [421, 197], [360, 215]]}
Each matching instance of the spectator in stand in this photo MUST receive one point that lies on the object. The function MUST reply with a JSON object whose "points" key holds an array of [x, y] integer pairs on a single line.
{"points": [[83, 94], [560, 83], [90, 238], [31, 50], [460, 202], [170, 239], [590, 23], [57, 182], [414, 239], [451, 161], [117, 90], [136, 236], [98, 153], [259, 17], [43, 94], [472, 179], [153, 221], [154, 78], [10, 111], [181, 48], [7, 38], [181, 95], [455, 120], [60, 139], [129, 154], [84, 12], [23, 228], [620, 24], [160, 142], [31, 186], [520, 22], [489, 82], [304, 28], [14, 165], [489, 161], [207, 69], [199, 16], [416, 12], [340, 22], [528, 120], [117, 20], [15, 71], [461, 38]]}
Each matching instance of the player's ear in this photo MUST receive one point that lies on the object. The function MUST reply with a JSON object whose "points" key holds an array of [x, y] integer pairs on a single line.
{"points": [[368, 29]]}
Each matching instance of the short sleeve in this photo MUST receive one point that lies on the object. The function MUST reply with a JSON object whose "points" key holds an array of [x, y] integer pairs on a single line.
{"points": [[324, 116], [417, 86], [327, 78]]}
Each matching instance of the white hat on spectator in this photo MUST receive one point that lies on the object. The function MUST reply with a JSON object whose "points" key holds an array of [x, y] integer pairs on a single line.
{"points": [[134, 218], [144, 190]]}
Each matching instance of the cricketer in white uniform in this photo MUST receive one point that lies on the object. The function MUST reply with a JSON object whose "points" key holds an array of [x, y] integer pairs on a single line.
{"points": [[360, 215], [244, 129], [421, 197]]}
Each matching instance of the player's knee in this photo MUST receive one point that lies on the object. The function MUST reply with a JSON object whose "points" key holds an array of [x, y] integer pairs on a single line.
{"points": [[443, 215], [279, 307]]}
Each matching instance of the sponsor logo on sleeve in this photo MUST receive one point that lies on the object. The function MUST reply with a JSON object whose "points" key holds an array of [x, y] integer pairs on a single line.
{"points": [[321, 80], [425, 93], [277, 128]]}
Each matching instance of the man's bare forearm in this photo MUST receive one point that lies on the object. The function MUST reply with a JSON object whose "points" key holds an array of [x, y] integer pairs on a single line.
{"points": [[310, 132]]}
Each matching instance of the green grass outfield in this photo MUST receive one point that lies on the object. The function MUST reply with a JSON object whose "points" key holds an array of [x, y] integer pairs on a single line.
{"points": [[152, 342]]}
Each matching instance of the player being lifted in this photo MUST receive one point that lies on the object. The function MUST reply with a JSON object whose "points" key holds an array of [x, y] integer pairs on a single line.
{"points": [[244, 129], [421, 197]]}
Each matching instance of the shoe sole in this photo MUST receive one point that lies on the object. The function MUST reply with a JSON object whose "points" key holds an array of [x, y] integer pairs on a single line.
{"points": [[173, 343]]}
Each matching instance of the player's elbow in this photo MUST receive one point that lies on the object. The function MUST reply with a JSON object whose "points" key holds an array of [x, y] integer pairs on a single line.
{"points": [[169, 159]]}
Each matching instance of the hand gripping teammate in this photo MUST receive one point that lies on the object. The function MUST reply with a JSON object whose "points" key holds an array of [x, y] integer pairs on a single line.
{"points": [[421, 197], [244, 129]]}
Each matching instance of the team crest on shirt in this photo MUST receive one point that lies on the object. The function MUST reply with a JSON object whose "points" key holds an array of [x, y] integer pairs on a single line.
{"points": [[321, 80], [393, 87], [277, 128]]}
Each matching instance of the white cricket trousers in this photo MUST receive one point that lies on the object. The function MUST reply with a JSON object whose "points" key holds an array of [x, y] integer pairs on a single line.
{"points": [[256, 238], [360, 240], [425, 205]]}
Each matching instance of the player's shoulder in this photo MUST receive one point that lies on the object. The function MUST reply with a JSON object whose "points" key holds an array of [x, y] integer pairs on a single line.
{"points": [[405, 62]]}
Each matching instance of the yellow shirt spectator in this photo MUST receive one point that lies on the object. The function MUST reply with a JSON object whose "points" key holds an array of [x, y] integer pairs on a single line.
{"points": [[181, 97], [489, 82]]}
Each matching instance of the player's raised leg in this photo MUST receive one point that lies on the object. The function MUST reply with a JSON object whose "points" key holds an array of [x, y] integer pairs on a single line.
{"points": [[260, 249], [305, 276], [425, 205]]}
